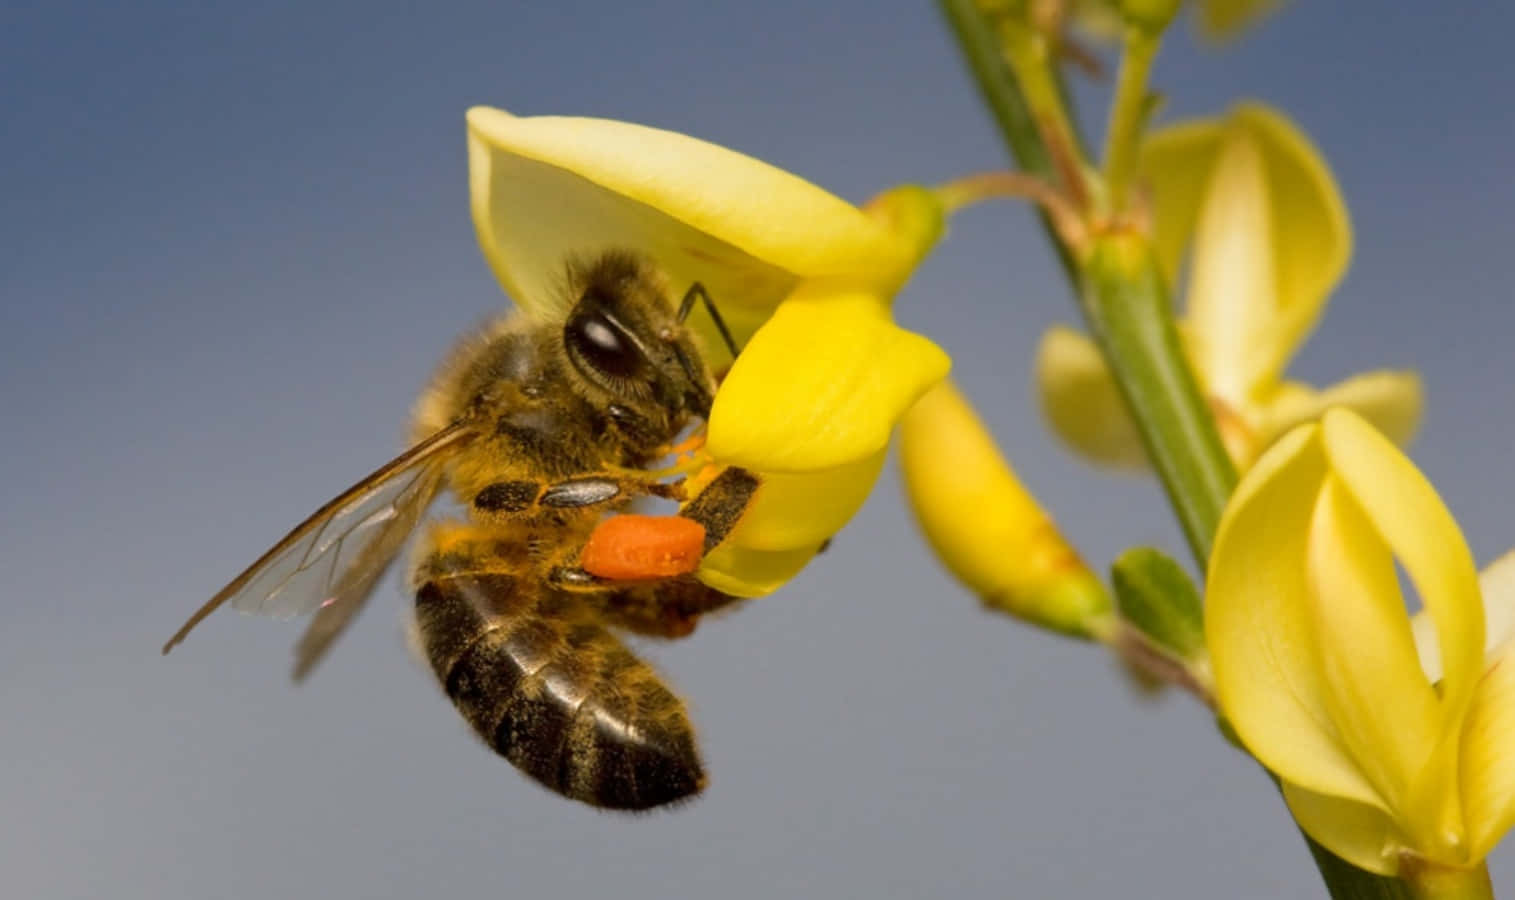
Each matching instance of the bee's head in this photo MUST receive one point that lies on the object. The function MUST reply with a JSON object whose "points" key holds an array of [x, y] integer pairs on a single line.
{"points": [[625, 340]]}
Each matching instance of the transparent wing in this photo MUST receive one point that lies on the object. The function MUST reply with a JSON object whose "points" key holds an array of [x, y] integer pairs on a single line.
{"points": [[332, 560], [371, 553]]}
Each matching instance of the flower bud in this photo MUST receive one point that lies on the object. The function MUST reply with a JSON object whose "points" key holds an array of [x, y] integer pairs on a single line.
{"points": [[1151, 16], [986, 528]]}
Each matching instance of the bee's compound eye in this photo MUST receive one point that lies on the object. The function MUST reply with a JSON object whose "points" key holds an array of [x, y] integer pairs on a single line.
{"points": [[600, 343]]}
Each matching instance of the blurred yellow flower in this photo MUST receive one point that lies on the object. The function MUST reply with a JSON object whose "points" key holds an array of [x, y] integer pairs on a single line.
{"points": [[986, 527], [1394, 756], [1218, 20], [803, 279], [1255, 208]]}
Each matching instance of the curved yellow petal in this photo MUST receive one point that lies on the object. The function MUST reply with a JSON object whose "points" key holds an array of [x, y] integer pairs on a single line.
{"points": [[1221, 20], [1269, 233], [1259, 627], [1082, 402], [744, 572], [1488, 756], [821, 384], [985, 526], [547, 189], [1360, 834], [1411, 519], [1391, 402], [1497, 585], [1175, 163], [795, 510], [1232, 287], [1409, 516], [1379, 700], [1314, 232]]}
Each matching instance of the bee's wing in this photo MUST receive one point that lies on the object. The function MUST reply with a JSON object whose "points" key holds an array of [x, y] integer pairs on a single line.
{"points": [[331, 561]]}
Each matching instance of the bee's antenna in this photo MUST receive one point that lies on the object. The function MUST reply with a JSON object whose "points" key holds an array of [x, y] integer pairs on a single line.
{"points": [[686, 306]]}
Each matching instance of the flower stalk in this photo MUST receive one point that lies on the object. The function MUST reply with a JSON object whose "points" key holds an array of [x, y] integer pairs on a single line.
{"points": [[1126, 302], [1128, 116], [1128, 310], [1001, 93]]}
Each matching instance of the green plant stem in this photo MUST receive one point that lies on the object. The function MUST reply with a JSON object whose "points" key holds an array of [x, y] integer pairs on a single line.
{"points": [[1143, 345], [1128, 115], [1030, 55], [1126, 305], [1002, 95], [996, 84]]}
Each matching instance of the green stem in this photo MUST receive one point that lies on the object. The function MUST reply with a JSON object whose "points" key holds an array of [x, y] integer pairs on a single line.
{"points": [[1030, 55], [1128, 114], [1130, 305], [1002, 95], [996, 84], [1126, 305]]}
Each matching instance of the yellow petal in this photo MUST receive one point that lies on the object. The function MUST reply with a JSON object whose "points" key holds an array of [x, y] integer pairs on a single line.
{"points": [[1221, 20], [744, 572], [1232, 281], [1175, 163], [1488, 756], [1390, 401], [1360, 834], [1259, 628], [1406, 512], [796, 510], [984, 526], [821, 384], [1411, 519], [545, 189], [1497, 585], [1270, 238], [1082, 402], [1377, 697]]}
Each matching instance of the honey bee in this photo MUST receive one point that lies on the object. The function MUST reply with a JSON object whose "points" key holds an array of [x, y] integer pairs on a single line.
{"points": [[540, 429]]}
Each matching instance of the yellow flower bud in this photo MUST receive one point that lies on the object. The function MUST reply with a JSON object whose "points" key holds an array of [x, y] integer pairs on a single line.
{"points": [[986, 528], [1150, 15]]}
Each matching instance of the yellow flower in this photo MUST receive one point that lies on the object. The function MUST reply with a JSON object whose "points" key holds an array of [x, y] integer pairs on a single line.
{"points": [[986, 527], [1396, 758], [1221, 20], [1256, 209], [1218, 20], [803, 279]]}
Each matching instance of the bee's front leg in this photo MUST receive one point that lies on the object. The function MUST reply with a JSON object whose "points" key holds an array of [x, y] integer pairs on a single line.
{"points": [[525, 496]]}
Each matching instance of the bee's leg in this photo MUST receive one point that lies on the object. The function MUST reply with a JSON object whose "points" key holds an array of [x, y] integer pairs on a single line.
{"points": [[721, 504], [504, 498], [717, 508]]}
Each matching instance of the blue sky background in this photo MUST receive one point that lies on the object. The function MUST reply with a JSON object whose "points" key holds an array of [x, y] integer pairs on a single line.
{"points": [[235, 240]]}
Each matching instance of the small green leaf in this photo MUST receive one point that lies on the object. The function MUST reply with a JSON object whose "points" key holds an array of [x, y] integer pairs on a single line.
{"points": [[1156, 597]]}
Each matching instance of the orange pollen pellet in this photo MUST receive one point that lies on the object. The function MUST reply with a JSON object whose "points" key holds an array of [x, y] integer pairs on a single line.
{"points": [[642, 548]]}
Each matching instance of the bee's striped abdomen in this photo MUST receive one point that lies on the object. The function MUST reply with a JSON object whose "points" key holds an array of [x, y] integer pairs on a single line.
{"points": [[556, 693]]}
